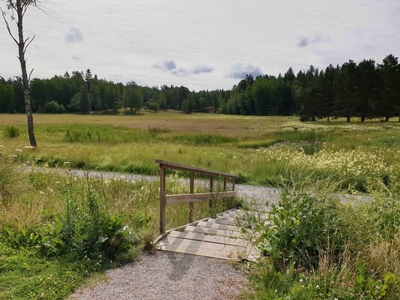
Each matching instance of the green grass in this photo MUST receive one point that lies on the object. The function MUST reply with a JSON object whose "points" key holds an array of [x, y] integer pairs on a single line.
{"points": [[260, 148], [273, 151], [26, 275], [57, 231]]}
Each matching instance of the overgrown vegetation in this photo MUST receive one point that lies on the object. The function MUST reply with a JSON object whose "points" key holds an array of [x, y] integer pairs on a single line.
{"points": [[260, 149], [319, 245], [57, 229]]}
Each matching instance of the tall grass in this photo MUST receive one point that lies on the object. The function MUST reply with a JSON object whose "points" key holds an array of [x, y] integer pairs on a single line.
{"points": [[320, 245], [11, 132], [64, 228], [261, 149]]}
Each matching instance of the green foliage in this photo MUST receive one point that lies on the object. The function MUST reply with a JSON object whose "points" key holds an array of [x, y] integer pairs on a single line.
{"points": [[132, 97], [296, 136], [203, 139], [89, 231], [303, 227], [310, 149], [331, 283], [11, 132], [6, 183], [318, 248], [152, 106], [26, 275], [52, 107]]}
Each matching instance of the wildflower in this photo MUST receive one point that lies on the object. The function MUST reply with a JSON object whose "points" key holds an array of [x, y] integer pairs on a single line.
{"points": [[301, 280], [378, 287], [18, 150], [372, 271], [332, 282], [317, 287]]}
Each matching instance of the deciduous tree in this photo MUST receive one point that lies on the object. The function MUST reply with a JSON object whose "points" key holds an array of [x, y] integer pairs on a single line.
{"points": [[18, 8]]}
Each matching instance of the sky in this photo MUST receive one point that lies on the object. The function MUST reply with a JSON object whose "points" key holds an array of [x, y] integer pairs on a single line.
{"points": [[200, 44]]}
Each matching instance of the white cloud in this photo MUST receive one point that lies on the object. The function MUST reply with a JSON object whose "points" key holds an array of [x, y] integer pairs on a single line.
{"points": [[239, 71], [196, 43], [167, 65], [170, 66], [74, 35]]}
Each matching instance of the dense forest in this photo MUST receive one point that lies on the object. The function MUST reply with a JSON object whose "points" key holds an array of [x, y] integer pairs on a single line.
{"points": [[364, 90]]}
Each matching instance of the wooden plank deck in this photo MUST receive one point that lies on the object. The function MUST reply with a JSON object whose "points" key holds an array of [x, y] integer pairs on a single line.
{"points": [[218, 238]]}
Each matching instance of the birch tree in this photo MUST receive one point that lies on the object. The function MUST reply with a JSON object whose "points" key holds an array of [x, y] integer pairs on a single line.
{"points": [[17, 10]]}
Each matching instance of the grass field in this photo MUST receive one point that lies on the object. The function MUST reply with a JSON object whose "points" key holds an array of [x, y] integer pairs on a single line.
{"points": [[260, 149], [56, 231]]}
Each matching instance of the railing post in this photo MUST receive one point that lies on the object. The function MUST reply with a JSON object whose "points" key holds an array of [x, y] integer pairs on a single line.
{"points": [[210, 203], [224, 202], [162, 199], [192, 192]]}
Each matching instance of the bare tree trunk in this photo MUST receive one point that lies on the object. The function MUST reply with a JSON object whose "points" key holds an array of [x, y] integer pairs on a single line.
{"points": [[25, 79]]}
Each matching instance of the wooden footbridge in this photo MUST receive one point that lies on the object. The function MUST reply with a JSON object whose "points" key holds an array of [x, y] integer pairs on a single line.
{"points": [[221, 237]]}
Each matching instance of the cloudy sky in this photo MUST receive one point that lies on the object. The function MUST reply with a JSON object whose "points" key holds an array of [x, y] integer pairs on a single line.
{"points": [[201, 44]]}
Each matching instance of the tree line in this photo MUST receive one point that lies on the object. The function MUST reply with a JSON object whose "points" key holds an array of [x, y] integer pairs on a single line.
{"points": [[364, 90]]}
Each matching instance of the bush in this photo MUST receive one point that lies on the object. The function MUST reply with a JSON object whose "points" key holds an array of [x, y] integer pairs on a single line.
{"points": [[52, 107], [11, 132], [87, 230], [152, 106], [302, 228]]}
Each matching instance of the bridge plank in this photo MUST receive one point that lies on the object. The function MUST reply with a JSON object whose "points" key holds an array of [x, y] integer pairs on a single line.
{"points": [[202, 248], [213, 231], [218, 239]]}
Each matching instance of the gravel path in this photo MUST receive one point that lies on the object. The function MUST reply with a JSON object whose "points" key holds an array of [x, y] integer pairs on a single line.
{"points": [[167, 275]]}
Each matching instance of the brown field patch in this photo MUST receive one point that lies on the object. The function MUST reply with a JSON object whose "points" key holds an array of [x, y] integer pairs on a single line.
{"points": [[225, 125]]}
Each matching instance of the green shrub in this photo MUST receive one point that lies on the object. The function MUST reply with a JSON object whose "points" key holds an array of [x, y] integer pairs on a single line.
{"points": [[310, 149], [87, 229], [201, 139], [52, 107], [11, 132], [302, 227], [296, 136], [152, 105]]}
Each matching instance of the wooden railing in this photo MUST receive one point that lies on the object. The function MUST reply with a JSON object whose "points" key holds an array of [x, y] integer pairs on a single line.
{"points": [[191, 197]]}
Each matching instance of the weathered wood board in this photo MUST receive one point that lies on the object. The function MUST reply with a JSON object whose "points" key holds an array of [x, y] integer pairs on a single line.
{"points": [[218, 238]]}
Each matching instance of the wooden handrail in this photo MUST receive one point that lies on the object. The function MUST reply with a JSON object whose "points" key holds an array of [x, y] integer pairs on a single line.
{"points": [[180, 167], [191, 197]]}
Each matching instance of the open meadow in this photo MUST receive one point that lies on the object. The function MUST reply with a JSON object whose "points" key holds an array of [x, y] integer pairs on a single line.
{"points": [[58, 230], [262, 150]]}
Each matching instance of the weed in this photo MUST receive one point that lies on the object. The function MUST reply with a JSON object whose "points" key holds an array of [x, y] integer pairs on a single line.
{"points": [[11, 132]]}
